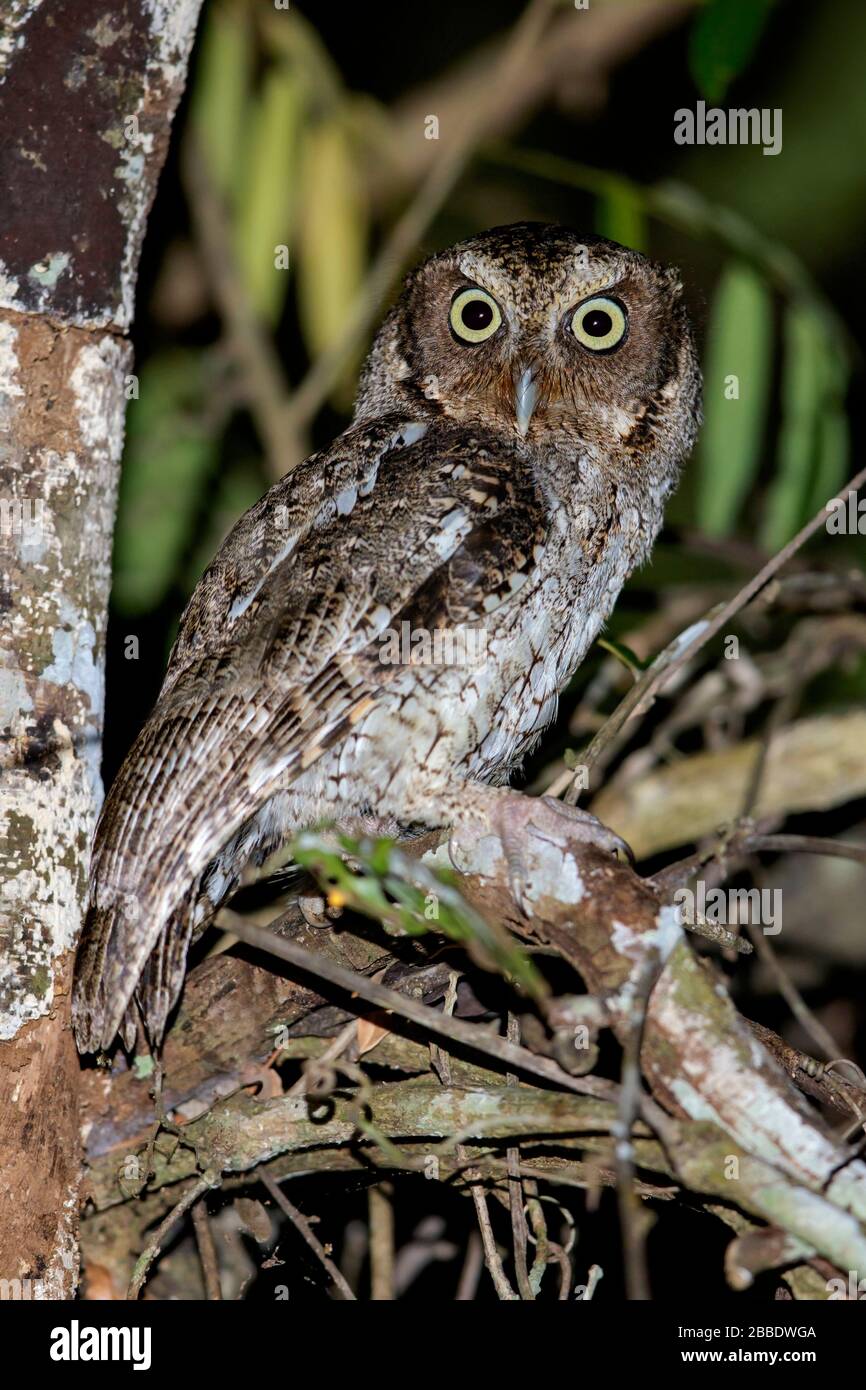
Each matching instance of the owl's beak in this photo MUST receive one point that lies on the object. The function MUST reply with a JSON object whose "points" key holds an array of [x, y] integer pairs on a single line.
{"points": [[525, 398]]}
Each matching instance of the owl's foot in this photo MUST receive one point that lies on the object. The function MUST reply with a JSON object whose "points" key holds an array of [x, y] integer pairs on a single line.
{"points": [[315, 911], [513, 817]]}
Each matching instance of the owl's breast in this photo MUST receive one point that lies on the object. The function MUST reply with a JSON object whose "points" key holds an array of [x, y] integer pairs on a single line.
{"points": [[538, 643]]}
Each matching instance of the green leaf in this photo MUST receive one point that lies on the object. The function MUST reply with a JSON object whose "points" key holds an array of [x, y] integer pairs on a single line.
{"points": [[402, 893], [737, 382], [723, 38], [169, 454], [630, 660], [621, 216], [804, 388], [268, 192], [221, 88]]}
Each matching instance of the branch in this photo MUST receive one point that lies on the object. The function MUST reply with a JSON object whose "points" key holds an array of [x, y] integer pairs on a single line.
{"points": [[812, 765], [642, 694]]}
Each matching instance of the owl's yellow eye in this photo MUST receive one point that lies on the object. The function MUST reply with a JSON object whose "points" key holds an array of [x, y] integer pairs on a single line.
{"points": [[474, 315], [600, 324]]}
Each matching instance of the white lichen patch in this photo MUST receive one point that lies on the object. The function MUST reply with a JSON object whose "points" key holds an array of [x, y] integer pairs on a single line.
{"points": [[75, 660], [48, 269], [481, 856], [100, 405], [668, 931], [15, 699], [51, 638], [16, 13], [45, 827], [548, 869], [106, 31], [8, 287], [660, 940], [172, 23], [172, 27], [61, 1273], [11, 390], [551, 871]]}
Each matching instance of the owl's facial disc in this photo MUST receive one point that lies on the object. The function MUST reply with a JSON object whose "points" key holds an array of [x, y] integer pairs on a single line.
{"points": [[597, 326]]}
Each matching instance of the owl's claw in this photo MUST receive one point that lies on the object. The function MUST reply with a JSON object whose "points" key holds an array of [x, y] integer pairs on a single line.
{"points": [[314, 911], [516, 816], [550, 819]]}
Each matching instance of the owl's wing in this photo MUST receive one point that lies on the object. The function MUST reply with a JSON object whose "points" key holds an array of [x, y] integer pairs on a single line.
{"points": [[323, 488], [281, 667]]}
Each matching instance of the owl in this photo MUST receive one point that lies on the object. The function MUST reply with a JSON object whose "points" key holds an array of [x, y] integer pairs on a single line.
{"points": [[385, 634]]}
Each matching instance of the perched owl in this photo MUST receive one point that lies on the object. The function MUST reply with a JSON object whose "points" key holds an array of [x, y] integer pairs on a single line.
{"points": [[521, 419]]}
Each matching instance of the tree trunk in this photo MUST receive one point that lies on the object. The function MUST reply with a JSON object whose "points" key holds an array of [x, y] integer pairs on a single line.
{"points": [[86, 103]]}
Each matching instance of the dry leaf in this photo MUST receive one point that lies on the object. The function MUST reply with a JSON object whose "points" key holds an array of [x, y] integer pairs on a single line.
{"points": [[370, 1033]]}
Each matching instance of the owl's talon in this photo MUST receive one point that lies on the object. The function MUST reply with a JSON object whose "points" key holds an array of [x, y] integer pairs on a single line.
{"points": [[517, 888], [514, 817], [521, 815], [313, 909]]}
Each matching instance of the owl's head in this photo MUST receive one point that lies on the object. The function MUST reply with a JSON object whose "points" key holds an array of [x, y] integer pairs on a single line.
{"points": [[544, 335]]}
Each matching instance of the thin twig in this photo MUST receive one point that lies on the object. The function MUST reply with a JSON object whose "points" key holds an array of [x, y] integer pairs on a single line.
{"points": [[632, 1218], [334, 1049], [515, 1193], [595, 1274], [488, 1254], [380, 1210], [737, 845], [641, 696], [535, 1211], [154, 1245], [207, 1252], [805, 844], [469, 1035], [781, 712], [491, 1254], [303, 1227], [566, 1273], [792, 996], [439, 1058], [473, 1263]]}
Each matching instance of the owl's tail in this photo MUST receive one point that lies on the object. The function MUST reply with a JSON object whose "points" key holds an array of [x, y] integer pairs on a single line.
{"points": [[99, 1008], [88, 998], [198, 774], [111, 994]]}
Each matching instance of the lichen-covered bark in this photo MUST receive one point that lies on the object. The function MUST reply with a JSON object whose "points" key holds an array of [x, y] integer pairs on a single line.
{"points": [[87, 94], [701, 1058]]}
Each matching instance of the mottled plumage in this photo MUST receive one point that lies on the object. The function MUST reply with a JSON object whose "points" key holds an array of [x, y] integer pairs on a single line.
{"points": [[505, 471]]}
